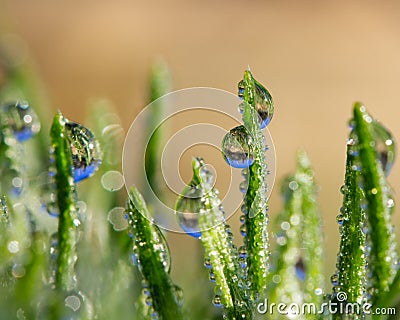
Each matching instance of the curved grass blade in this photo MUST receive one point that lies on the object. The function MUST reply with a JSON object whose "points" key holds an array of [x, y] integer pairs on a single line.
{"points": [[150, 255], [217, 240]]}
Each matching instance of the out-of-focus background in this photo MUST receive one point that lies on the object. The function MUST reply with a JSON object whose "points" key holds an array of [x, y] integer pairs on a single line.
{"points": [[316, 57]]}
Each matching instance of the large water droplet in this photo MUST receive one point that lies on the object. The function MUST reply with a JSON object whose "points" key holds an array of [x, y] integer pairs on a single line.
{"points": [[385, 146], [264, 104], [85, 149], [22, 120], [262, 100], [187, 210], [237, 148]]}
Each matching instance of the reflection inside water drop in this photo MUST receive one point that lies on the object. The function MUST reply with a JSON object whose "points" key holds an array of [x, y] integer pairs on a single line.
{"points": [[237, 148], [85, 149], [21, 119]]}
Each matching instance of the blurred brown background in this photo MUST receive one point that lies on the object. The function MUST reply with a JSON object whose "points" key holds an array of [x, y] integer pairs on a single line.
{"points": [[316, 58]]}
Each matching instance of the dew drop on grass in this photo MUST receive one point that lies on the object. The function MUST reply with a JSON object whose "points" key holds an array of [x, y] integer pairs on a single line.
{"points": [[384, 145], [243, 230], [149, 301], [178, 295], [207, 263], [242, 252], [340, 219], [300, 270], [264, 104], [85, 149], [212, 276], [262, 100], [335, 279], [237, 148], [21, 119], [187, 210]]}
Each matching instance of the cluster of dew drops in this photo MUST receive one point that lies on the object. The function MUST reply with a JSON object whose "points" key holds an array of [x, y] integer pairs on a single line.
{"points": [[19, 123], [386, 149], [238, 152]]}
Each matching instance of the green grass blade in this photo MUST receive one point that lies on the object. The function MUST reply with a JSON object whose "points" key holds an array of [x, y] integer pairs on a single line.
{"points": [[298, 276], [149, 247], [159, 86], [68, 217], [255, 199], [217, 241], [380, 238], [351, 263]]}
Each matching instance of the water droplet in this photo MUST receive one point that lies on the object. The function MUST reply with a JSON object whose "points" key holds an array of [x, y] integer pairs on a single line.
{"points": [[262, 101], [207, 263], [116, 216], [243, 230], [146, 292], [243, 187], [241, 89], [385, 146], [335, 279], [300, 269], [217, 301], [243, 262], [85, 149], [243, 252], [21, 119], [178, 295], [237, 148], [212, 276], [112, 180], [242, 219], [154, 315], [340, 219], [187, 210], [343, 189], [149, 301]]}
